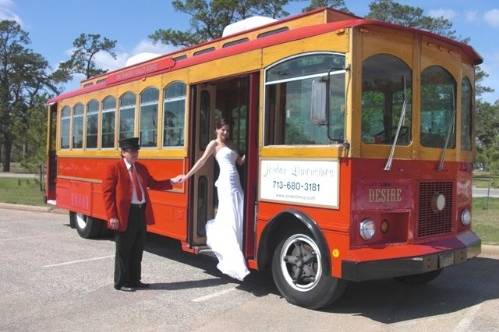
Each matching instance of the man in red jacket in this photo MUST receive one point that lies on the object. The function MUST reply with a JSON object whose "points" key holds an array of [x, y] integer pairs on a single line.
{"points": [[129, 210]]}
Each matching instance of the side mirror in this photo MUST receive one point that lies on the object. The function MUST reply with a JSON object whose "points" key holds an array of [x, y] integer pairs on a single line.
{"points": [[318, 112]]}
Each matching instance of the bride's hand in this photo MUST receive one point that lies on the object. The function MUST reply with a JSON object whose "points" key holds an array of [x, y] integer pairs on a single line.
{"points": [[241, 160]]}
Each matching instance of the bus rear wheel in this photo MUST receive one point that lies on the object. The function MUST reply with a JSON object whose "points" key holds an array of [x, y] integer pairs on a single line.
{"points": [[299, 274], [87, 227]]}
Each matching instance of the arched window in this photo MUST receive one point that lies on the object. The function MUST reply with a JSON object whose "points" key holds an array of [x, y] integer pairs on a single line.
{"points": [[173, 117], [294, 90], [108, 121], [127, 115], [148, 116], [386, 83], [65, 126], [438, 108], [77, 126], [92, 123], [466, 111]]}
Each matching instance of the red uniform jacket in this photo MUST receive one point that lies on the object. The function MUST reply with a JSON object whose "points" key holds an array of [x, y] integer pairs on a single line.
{"points": [[117, 190]]}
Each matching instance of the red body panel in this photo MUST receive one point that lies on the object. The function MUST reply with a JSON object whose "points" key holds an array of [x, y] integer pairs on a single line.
{"points": [[366, 190], [79, 189]]}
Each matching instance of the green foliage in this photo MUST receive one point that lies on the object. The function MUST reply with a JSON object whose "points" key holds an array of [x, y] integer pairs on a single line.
{"points": [[209, 18], [86, 46], [393, 12], [336, 4], [24, 76], [487, 122]]}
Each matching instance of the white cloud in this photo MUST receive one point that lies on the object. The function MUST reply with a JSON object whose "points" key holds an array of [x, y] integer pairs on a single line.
{"points": [[148, 46], [105, 60], [7, 11], [445, 13], [492, 17], [471, 16]]}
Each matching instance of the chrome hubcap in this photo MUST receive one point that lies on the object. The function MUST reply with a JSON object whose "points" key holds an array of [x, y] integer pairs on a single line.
{"points": [[301, 262]]}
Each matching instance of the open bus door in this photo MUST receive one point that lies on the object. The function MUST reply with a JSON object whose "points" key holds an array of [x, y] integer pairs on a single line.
{"points": [[51, 162], [236, 100]]}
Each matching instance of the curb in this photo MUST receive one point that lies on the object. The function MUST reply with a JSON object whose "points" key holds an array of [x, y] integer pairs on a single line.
{"points": [[489, 249], [47, 209]]}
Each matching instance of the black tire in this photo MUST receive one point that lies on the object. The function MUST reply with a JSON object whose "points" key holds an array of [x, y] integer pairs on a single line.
{"points": [[299, 274], [87, 227], [419, 279], [72, 219]]}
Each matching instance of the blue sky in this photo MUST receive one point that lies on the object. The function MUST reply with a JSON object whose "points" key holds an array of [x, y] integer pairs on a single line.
{"points": [[54, 24]]}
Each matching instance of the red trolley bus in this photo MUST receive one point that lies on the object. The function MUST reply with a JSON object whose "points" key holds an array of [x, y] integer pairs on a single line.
{"points": [[358, 136]]}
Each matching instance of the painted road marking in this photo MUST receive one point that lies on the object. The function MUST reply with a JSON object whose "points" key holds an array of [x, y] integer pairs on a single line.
{"points": [[212, 295], [79, 261]]}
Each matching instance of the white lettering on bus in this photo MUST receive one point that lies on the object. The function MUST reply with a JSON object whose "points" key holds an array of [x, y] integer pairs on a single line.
{"points": [[385, 195]]}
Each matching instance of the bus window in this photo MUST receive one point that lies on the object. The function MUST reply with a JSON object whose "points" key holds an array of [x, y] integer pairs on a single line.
{"points": [[289, 100], [92, 123], [148, 117], [108, 120], [466, 110], [438, 107], [77, 126], [384, 79], [65, 123], [127, 115], [174, 112]]}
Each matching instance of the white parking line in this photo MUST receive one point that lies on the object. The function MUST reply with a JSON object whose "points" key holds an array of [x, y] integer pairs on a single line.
{"points": [[210, 296], [23, 238], [79, 261]]}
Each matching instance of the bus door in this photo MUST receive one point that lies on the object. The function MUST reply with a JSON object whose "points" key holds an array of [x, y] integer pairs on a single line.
{"points": [[51, 166], [202, 182], [231, 99]]}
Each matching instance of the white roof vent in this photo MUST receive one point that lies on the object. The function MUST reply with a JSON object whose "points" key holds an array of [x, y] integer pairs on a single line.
{"points": [[247, 24], [141, 57]]}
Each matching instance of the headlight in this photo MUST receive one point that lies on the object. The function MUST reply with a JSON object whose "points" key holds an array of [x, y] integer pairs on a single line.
{"points": [[367, 229], [466, 217]]}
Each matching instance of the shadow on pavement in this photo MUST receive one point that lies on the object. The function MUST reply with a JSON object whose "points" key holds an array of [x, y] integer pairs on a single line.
{"points": [[386, 301], [389, 301]]}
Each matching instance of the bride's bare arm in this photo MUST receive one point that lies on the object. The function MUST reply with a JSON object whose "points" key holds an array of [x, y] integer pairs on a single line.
{"points": [[210, 149], [241, 159]]}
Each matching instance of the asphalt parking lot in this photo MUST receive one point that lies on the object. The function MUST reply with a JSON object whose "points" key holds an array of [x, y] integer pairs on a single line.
{"points": [[52, 280]]}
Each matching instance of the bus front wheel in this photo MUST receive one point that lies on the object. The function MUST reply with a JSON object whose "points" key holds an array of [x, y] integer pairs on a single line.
{"points": [[298, 273], [87, 227]]}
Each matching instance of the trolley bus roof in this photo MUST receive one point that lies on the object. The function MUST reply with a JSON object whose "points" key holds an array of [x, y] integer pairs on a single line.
{"points": [[167, 63]]}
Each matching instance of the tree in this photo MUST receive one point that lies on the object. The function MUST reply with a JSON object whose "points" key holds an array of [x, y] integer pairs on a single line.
{"points": [[393, 12], [82, 60], [336, 4], [23, 76], [209, 18]]}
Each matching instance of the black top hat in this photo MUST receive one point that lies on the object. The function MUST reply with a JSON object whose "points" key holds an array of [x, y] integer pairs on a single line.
{"points": [[130, 143]]}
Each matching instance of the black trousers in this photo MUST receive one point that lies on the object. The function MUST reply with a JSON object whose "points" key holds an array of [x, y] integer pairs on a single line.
{"points": [[129, 249]]}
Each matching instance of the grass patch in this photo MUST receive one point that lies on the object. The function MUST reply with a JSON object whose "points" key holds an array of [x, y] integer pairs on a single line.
{"points": [[21, 191], [486, 219]]}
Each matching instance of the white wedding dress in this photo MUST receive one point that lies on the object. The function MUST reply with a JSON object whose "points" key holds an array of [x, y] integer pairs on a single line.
{"points": [[225, 232]]}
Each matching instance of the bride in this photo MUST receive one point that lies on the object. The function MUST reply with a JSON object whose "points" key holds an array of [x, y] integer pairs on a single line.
{"points": [[224, 233]]}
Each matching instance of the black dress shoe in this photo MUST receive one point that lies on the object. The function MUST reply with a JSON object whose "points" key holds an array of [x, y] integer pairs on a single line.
{"points": [[141, 285], [125, 288]]}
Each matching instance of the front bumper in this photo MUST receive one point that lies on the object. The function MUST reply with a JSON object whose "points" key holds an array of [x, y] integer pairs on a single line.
{"points": [[380, 269]]}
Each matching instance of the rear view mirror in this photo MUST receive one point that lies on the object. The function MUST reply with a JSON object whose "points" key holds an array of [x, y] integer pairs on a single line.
{"points": [[318, 102]]}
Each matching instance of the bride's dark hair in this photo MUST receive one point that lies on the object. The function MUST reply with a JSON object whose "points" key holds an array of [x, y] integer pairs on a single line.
{"points": [[221, 122]]}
